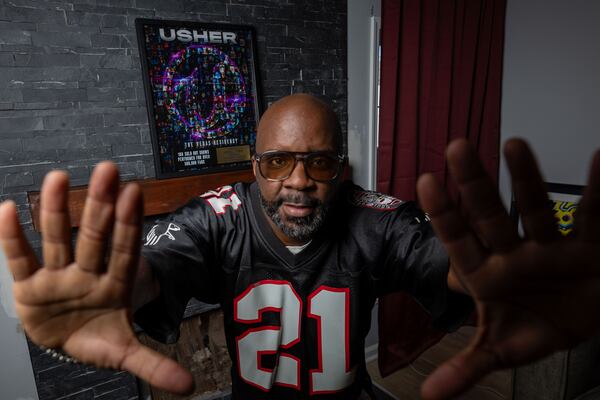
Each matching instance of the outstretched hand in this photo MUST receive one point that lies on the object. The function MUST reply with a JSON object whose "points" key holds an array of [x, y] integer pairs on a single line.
{"points": [[83, 305], [534, 295]]}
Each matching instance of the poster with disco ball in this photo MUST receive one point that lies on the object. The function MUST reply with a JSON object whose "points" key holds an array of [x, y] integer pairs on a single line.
{"points": [[202, 95]]}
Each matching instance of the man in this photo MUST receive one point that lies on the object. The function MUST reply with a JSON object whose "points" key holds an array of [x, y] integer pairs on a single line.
{"points": [[296, 317], [309, 303]]}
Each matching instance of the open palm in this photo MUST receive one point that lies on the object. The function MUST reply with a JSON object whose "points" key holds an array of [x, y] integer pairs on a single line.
{"points": [[531, 293], [83, 305]]}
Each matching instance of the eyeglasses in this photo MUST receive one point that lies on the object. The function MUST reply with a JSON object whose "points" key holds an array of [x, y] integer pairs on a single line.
{"points": [[275, 165]]}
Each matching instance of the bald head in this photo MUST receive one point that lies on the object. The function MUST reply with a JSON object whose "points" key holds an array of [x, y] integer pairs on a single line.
{"points": [[297, 204], [296, 119]]}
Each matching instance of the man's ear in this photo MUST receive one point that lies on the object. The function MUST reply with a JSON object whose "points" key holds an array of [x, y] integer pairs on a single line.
{"points": [[254, 166]]}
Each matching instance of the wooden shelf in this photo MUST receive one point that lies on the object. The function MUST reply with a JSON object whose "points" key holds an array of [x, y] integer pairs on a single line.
{"points": [[160, 196]]}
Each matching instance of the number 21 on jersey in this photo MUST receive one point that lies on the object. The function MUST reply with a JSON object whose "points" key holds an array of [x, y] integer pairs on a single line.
{"points": [[327, 305]]}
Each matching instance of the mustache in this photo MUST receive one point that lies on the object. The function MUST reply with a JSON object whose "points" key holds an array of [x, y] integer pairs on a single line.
{"points": [[297, 198]]}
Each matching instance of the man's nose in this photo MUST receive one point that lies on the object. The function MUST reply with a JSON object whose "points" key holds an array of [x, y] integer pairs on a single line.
{"points": [[298, 179]]}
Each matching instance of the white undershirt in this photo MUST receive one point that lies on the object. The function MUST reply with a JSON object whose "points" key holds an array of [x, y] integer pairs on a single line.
{"points": [[297, 249]]}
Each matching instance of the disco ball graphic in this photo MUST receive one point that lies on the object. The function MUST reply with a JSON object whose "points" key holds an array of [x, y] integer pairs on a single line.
{"points": [[204, 92]]}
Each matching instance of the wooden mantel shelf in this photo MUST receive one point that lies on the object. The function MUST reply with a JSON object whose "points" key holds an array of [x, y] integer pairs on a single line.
{"points": [[160, 196]]}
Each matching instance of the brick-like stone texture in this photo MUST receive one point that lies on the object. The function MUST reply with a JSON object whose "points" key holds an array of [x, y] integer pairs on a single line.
{"points": [[71, 95]]}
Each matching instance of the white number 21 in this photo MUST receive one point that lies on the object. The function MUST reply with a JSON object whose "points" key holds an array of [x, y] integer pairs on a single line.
{"points": [[327, 305]]}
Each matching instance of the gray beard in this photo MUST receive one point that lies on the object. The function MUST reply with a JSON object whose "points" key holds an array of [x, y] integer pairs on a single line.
{"points": [[301, 229]]}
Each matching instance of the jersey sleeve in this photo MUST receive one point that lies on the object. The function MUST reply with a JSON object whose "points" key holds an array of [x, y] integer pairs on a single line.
{"points": [[415, 261], [180, 250]]}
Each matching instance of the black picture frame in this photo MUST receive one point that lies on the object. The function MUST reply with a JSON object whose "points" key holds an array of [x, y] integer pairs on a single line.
{"points": [[563, 200], [202, 95]]}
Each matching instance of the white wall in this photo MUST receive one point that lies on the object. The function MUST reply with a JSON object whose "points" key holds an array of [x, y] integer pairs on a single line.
{"points": [[364, 19], [551, 85], [16, 378]]}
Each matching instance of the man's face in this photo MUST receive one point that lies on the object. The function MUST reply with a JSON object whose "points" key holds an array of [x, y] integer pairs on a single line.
{"points": [[297, 205]]}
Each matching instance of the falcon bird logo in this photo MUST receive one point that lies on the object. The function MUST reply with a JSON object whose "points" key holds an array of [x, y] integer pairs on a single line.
{"points": [[154, 237]]}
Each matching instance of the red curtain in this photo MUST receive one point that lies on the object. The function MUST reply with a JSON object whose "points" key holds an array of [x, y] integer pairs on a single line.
{"points": [[440, 80]]}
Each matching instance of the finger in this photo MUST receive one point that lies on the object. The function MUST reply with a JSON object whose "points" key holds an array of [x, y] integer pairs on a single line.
{"points": [[587, 220], [127, 234], [480, 198], [530, 194], [458, 374], [98, 218], [19, 255], [462, 246], [158, 370], [55, 221]]}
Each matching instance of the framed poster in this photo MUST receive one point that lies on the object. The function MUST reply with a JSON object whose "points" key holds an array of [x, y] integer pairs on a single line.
{"points": [[563, 199], [202, 95]]}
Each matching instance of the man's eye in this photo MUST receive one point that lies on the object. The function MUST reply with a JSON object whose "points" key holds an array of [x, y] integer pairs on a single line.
{"points": [[277, 162], [321, 162]]}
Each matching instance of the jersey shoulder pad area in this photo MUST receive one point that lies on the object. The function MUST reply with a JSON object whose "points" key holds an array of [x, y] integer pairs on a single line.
{"points": [[221, 199], [369, 199]]}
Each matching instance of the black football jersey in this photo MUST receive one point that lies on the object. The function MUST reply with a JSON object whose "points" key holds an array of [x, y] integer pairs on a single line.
{"points": [[295, 324]]}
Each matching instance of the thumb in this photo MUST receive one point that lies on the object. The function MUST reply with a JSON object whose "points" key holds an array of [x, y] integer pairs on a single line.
{"points": [[458, 374], [158, 370]]}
